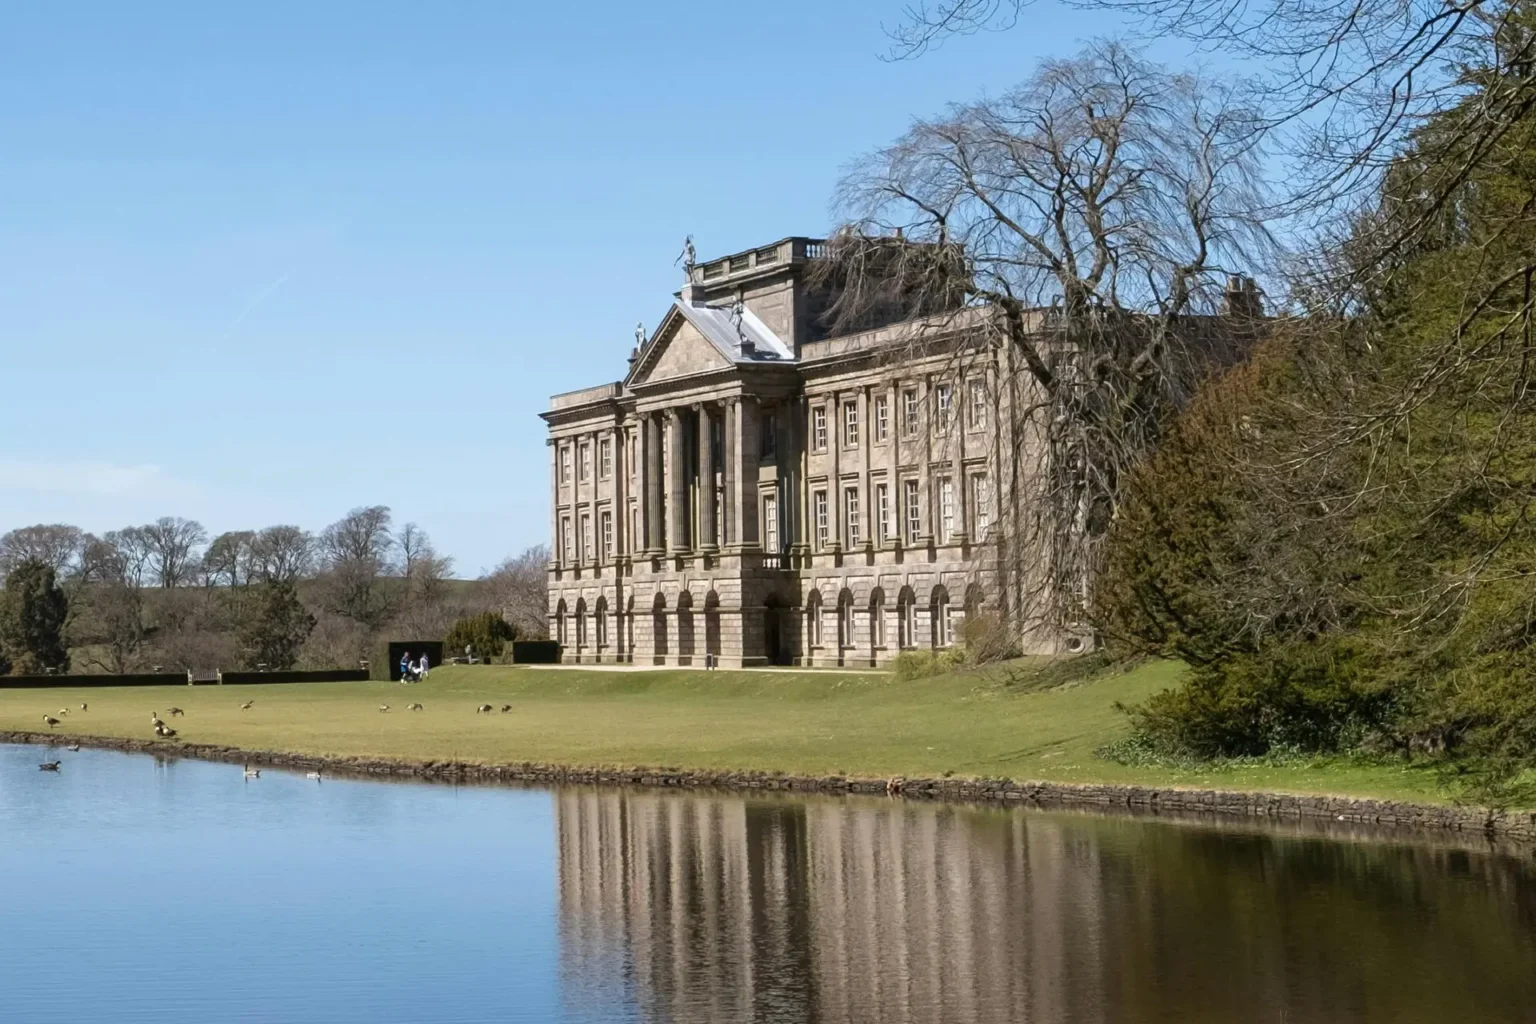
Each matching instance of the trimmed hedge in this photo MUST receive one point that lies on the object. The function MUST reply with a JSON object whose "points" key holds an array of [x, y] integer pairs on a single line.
{"points": [[330, 675], [81, 679], [535, 652]]}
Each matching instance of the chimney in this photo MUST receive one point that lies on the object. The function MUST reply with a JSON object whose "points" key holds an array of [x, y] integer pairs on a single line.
{"points": [[1243, 298]]}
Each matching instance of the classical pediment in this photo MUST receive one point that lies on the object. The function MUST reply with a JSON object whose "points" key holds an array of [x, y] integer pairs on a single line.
{"points": [[679, 350], [696, 340]]}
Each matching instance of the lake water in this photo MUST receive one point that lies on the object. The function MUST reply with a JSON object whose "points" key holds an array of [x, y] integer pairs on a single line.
{"points": [[137, 889]]}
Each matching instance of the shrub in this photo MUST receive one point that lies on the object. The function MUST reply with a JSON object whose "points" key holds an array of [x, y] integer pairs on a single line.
{"points": [[486, 633], [1317, 696], [923, 664], [987, 638]]}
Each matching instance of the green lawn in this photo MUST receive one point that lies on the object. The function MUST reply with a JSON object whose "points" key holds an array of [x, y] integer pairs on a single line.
{"points": [[814, 722]]}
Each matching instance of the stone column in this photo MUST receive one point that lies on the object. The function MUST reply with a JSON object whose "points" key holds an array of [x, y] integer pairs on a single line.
{"points": [[618, 494], [962, 406], [594, 493], [925, 459], [554, 502], [651, 470], [707, 539], [677, 485], [893, 460], [867, 522], [801, 492], [746, 439], [836, 436], [730, 469]]}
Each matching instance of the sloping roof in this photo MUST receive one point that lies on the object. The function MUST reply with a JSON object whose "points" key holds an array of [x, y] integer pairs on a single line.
{"points": [[719, 325]]}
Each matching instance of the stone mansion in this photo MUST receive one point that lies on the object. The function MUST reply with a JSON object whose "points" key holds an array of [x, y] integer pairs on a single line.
{"points": [[760, 489]]}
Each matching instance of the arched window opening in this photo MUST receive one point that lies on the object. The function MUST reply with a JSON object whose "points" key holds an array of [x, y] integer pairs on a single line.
{"points": [[877, 619], [712, 623], [659, 628], [906, 618], [685, 637], [845, 624], [629, 627], [813, 619], [939, 609]]}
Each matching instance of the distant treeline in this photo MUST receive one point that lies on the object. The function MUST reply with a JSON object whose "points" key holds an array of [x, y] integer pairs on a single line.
{"points": [[164, 596]]}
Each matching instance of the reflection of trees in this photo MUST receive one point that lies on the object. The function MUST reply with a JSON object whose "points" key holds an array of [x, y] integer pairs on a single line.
{"points": [[720, 908]]}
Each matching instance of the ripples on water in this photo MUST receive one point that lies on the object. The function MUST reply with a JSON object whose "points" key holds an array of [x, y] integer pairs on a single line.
{"points": [[133, 889]]}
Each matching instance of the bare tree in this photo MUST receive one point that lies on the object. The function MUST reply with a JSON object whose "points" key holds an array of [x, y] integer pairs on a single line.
{"points": [[56, 545], [1085, 224], [282, 554], [173, 549], [192, 630], [424, 569], [227, 562], [518, 588], [925, 25], [356, 553], [108, 625], [133, 549]]}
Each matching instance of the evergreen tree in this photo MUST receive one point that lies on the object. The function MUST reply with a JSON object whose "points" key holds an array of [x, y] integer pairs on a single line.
{"points": [[33, 610], [487, 633], [275, 627], [1342, 544]]}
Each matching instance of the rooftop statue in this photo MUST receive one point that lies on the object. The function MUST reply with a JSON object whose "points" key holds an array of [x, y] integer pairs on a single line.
{"points": [[687, 258]]}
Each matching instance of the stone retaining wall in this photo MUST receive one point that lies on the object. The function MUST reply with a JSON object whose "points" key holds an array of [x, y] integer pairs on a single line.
{"points": [[1231, 804]]}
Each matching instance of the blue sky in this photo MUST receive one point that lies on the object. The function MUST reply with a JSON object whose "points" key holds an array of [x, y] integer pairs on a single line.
{"points": [[263, 263]]}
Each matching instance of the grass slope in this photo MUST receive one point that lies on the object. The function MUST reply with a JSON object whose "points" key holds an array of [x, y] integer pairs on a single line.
{"points": [[990, 723]]}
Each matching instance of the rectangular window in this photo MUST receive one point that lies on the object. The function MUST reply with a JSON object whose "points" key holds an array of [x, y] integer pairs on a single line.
{"points": [[914, 513], [587, 553], [850, 424], [605, 459], [882, 419], [584, 464], [819, 428], [946, 509], [851, 515], [822, 536], [771, 524], [770, 439], [565, 464], [882, 513], [877, 624], [976, 411], [909, 412], [608, 536], [567, 551], [633, 540], [942, 406], [634, 463], [981, 501]]}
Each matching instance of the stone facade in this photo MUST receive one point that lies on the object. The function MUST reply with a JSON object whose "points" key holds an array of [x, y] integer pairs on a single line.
{"points": [[760, 491]]}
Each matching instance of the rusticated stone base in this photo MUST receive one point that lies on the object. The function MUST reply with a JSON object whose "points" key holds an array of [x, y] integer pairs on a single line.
{"points": [[1227, 804]]}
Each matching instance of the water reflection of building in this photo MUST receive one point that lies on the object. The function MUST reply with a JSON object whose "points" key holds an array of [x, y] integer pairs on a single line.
{"points": [[724, 909]]}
